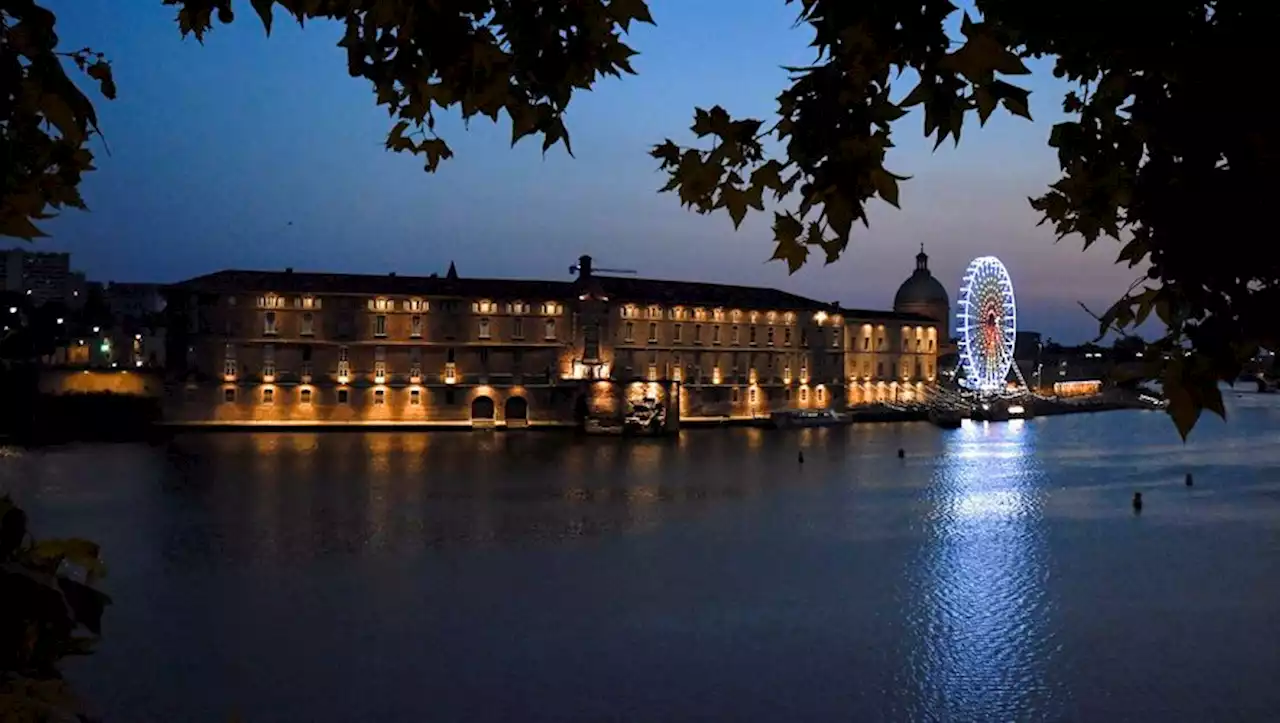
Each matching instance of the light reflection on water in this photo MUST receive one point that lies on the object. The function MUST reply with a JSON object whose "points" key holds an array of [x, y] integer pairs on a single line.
{"points": [[995, 573], [978, 600]]}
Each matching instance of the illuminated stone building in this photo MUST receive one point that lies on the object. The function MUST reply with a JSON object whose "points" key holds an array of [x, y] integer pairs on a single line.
{"points": [[923, 294], [312, 348]]}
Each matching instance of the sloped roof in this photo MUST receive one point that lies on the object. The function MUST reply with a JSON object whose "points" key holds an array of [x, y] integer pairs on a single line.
{"points": [[286, 282], [619, 289]]}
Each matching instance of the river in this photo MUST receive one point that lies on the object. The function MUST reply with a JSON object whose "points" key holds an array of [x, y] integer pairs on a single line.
{"points": [[996, 573]]}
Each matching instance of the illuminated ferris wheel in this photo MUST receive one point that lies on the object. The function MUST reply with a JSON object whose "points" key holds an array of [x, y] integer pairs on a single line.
{"points": [[988, 324]]}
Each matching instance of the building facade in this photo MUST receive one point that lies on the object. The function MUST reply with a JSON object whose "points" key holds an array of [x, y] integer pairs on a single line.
{"points": [[306, 348], [43, 277]]}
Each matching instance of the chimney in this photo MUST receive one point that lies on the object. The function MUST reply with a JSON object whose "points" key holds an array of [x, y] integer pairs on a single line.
{"points": [[393, 274], [584, 267], [288, 269]]}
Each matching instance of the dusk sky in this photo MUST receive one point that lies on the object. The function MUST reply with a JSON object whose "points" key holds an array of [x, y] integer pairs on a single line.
{"points": [[256, 152]]}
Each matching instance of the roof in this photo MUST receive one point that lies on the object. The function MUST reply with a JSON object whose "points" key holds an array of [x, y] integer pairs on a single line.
{"points": [[921, 288], [641, 291], [286, 282]]}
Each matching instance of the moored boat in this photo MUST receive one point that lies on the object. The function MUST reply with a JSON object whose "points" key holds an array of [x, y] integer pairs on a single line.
{"points": [[946, 418], [805, 418]]}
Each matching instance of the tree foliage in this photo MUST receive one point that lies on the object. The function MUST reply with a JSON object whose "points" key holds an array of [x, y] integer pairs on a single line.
{"points": [[51, 610], [45, 119], [1164, 150]]}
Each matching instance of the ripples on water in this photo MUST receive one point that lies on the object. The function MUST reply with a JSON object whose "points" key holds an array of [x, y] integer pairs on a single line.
{"points": [[995, 574]]}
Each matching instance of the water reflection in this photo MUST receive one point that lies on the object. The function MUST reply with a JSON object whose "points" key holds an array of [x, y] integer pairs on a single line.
{"points": [[981, 641]]}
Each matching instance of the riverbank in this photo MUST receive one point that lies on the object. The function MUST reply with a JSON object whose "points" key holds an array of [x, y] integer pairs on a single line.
{"points": [[54, 419]]}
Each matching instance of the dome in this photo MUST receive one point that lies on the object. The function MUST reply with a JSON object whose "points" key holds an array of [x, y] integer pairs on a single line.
{"points": [[921, 288]]}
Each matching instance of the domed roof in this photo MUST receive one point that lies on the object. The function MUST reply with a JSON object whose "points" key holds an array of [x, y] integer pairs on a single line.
{"points": [[921, 288]]}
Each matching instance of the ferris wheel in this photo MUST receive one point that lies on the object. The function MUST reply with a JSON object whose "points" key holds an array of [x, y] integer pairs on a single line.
{"points": [[988, 321]]}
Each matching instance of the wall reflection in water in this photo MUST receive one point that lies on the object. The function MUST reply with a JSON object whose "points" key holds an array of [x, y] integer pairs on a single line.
{"points": [[980, 638], [288, 497]]}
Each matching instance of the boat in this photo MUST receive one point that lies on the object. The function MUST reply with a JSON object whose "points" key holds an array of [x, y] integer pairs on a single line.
{"points": [[946, 418], [596, 426], [805, 418], [989, 412]]}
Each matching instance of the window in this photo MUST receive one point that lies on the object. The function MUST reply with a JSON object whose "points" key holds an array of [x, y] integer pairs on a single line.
{"points": [[866, 343], [628, 332], [786, 336], [229, 366], [715, 334], [415, 326], [551, 308], [655, 312], [484, 329], [821, 394], [344, 364], [653, 333], [517, 328], [733, 336], [229, 394], [270, 301], [380, 325], [879, 370], [450, 397], [415, 364], [675, 334], [483, 307], [735, 395], [752, 396], [804, 338], [269, 361], [304, 396], [309, 302], [484, 357], [769, 336], [379, 396], [786, 394], [804, 373], [550, 332], [381, 304], [269, 324], [835, 338], [415, 397], [751, 335], [416, 305], [380, 371], [308, 326], [804, 394], [519, 307], [931, 345], [344, 395], [269, 395]]}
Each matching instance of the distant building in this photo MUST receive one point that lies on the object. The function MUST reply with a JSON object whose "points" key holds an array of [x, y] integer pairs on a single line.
{"points": [[44, 277], [923, 294], [1027, 345], [249, 347], [135, 301]]}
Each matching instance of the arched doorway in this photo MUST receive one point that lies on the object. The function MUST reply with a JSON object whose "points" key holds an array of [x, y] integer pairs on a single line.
{"points": [[482, 410], [516, 411]]}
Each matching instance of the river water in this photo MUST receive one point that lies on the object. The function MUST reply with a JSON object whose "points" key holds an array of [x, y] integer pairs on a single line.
{"points": [[997, 573]]}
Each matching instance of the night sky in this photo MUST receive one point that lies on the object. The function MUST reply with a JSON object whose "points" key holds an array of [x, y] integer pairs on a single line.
{"points": [[256, 152]]}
